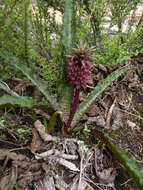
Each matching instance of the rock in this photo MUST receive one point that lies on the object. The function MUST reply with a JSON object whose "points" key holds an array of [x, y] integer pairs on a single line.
{"points": [[99, 121], [102, 68], [93, 111], [82, 96], [131, 124]]}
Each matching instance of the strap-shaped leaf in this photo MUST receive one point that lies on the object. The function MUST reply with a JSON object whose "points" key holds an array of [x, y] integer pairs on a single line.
{"points": [[96, 93], [68, 39], [21, 101], [69, 24], [30, 73], [132, 166]]}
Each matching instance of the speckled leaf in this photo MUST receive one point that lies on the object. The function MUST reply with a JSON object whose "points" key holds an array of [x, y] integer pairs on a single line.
{"points": [[133, 167], [69, 24], [22, 101], [67, 41], [96, 93], [31, 75]]}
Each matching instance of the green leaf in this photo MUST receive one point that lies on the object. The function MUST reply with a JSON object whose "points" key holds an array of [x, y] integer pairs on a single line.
{"points": [[32, 77], [67, 42], [26, 30], [132, 166], [69, 24], [22, 101], [96, 93], [66, 92], [52, 121]]}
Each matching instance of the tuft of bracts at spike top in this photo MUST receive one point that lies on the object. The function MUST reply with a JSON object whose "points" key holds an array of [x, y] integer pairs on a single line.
{"points": [[78, 74]]}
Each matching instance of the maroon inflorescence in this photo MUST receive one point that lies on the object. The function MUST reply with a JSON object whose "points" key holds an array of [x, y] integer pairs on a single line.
{"points": [[78, 74], [79, 71]]}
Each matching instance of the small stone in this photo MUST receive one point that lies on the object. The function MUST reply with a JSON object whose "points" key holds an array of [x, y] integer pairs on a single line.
{"points": [[93, 111], [98, 121], [102, 68], [131, 124]]}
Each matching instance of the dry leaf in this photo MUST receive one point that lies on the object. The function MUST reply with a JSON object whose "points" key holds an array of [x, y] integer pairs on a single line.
{"points": [[83, 184], [109, 115], [94, 111], [67, 164], [73, 185], [8, 182], [99, 120], [25, 180], [131, 124], [107, 176], [41, 130], [48, 183], [4, 183], [44, 154], [6, 153], [55, 153], [36, 141], [11, 155], [60, 184]]}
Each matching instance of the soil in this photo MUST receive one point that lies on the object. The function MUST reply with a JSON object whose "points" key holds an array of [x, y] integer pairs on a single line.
{"points": [[32, 159]]}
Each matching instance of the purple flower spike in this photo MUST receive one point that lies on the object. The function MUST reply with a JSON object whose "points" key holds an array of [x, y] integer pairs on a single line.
{"points": [[78, 74]]}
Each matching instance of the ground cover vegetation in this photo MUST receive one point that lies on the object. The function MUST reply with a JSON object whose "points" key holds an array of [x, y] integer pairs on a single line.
{"points": [[71, 88]]}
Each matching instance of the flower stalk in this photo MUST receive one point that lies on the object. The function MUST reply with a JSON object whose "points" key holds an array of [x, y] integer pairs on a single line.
{"points": [[78, 75], [74, 107]]}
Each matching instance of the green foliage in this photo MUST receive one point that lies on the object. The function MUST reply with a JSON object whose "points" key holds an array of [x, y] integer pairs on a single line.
{"points": [[52, 122], [46, 51], [22, 101], [6, 71], [115, 52], [26, 30], [2, 135], [120, 9], [82, 133], [84, 28], [134, 39], [50, 72], [23, 133], [11, 31], [119, 49], [11, 34], [2, 122], [2, 125], [30, 74], [67, 42], [90, 18]]}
